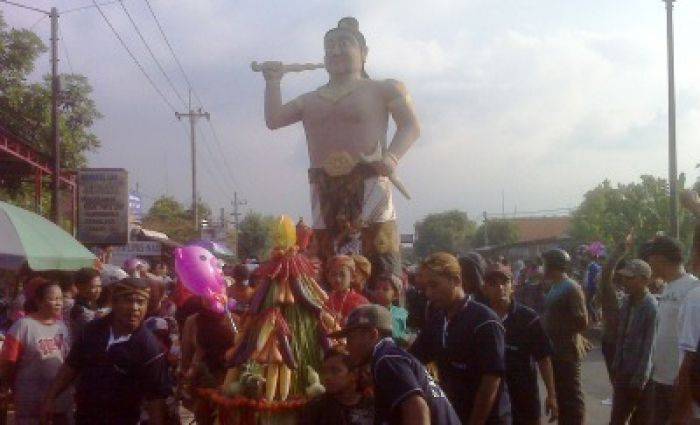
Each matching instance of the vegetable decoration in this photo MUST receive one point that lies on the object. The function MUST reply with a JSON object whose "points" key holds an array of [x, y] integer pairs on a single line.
{"points": [[282, 338]]}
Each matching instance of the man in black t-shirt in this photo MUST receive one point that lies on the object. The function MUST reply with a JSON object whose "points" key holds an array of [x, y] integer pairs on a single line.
{"points": [[116, 364], [527, 347], [404, 391], [467, 342]]}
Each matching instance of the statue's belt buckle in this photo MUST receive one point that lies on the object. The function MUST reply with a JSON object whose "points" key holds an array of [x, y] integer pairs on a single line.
{"points": [[339, 164]]}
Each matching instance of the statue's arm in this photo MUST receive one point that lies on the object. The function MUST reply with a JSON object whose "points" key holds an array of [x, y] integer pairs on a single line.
{"points": [[278, 115], [401, 108]]}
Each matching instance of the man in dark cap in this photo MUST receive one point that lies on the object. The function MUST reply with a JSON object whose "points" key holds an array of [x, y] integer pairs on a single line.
{"points": [[404, 391], [527, 348], [565, 319], [117, 364]]}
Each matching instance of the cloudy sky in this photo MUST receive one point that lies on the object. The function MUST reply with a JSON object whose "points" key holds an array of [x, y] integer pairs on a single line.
{"points": [[535, 100]]}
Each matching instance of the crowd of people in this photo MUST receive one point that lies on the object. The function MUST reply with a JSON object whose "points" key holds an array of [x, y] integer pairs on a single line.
{"points": [[453, 340]]}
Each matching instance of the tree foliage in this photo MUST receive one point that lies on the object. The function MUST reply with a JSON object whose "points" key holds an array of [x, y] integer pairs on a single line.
{"points": [[450, 231], [499, 232], [169, 216], [255, 236], [25, 108], [607, 213]]}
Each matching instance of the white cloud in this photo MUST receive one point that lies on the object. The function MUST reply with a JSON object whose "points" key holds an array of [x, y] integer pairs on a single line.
{"points": [[542, 99]]}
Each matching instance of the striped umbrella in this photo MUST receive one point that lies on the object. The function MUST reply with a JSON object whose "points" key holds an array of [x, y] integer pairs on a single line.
{"points": [[28, 237]]}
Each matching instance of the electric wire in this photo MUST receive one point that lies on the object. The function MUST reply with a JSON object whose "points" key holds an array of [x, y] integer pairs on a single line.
{"points": [[216, 182], [217, 140], [65, 51], [223, 156], [89, 6], [40, 20], [211, 157], [24, 6], [172, 52], [150, 51], [133, 58]]}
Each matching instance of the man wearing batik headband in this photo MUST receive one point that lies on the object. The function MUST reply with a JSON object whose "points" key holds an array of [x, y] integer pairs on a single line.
{"points": [[346, 123], [116, 364]]}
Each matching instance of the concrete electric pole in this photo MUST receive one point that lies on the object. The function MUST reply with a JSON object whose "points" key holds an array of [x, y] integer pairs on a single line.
{"points": [[56, 141], [672, 156], [236, 215], [193, 117], [55, 91]]}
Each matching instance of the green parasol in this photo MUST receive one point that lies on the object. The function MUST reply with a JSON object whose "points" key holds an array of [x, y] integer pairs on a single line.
{"points": [[28, 237]]}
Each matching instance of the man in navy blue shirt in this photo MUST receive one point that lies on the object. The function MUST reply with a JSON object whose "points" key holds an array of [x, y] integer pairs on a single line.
{"points": [[467, 342], [527, 344], [404, 392], [116, 364]]}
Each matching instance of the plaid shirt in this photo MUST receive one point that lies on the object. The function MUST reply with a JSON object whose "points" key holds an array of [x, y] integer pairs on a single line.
{"points": [[635, 341]]}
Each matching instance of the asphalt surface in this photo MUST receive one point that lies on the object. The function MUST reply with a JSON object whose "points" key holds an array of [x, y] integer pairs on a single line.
{"points": [[596, 386]]}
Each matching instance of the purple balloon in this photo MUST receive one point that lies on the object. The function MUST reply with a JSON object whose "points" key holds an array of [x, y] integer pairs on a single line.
{"points": [[201, 273]]}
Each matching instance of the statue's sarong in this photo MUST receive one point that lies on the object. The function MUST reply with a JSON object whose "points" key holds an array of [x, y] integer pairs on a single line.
{"points": [[358, 201]]}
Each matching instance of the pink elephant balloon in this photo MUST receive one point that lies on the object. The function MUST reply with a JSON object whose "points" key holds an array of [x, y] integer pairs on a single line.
{"points": [[201, 273]]}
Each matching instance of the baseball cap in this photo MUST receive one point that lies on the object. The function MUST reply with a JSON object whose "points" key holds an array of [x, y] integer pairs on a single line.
{"points": [[366, 316], [665, 246], [156, 324], [498, 269], [635, 268]]}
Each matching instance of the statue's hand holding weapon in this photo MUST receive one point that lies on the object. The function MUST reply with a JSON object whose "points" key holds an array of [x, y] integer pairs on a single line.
{"points": [[274, 70]]}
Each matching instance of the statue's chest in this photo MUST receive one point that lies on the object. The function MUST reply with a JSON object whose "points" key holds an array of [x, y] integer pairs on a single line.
{"points": [[352, 110]]}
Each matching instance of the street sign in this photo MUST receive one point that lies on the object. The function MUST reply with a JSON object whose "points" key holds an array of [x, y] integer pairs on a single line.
{"points": [[103, 206], [135, 208], [135, 249]]}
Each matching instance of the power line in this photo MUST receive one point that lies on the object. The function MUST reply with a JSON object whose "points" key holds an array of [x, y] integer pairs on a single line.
{"points": [[194, 92], [172, 52], [217, 182], [65, 52], [136, 61], [40, 20], [153, 56], [225, 176], [89, 6], [223, 156], [563, 210], [24, 6]]}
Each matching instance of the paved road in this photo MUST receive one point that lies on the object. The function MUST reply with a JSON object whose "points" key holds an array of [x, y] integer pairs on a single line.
{"points": [[596, 387]]}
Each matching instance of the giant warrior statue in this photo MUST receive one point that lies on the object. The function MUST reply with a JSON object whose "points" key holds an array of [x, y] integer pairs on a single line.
{"points": [[352, 165]]}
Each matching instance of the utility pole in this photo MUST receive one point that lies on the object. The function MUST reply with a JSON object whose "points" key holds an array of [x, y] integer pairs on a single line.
{"points": [[672, 158], [193, 117], [236, 215], [55, 90], [503, 203], [486, 229], [56, 142]]}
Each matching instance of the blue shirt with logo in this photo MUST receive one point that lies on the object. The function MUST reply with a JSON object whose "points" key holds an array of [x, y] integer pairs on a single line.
{"points": [[526, 343], [397, 376], [465, 348]]}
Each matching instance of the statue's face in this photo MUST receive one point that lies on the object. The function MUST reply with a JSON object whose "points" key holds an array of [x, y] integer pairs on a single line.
{"points": [[344, 54]]}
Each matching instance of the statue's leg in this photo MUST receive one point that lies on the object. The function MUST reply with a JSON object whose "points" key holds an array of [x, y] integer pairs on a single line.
{"points": [[380, 244], [324, 245]]}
